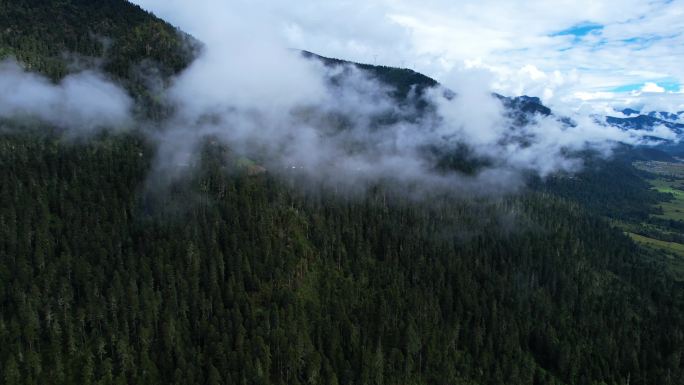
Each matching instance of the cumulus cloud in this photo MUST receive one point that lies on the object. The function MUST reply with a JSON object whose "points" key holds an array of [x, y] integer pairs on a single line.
{"points": [[633, 41], [270, 103], [651, 87], [331, 123], [334, 123], [82, 101], [338, 123]]}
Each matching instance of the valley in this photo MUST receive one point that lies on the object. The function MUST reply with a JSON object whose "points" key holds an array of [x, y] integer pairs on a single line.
{"points": [[169, 250], [664, 232]]}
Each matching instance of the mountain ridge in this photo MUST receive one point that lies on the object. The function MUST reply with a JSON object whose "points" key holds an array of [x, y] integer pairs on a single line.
{"points": [[229, 277]]}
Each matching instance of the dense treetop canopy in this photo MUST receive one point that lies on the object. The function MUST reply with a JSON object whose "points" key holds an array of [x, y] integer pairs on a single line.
{"points": [[109, 275]]}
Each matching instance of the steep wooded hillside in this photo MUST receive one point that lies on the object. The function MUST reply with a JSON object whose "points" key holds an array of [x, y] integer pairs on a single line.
{"points": [[235, 277]]}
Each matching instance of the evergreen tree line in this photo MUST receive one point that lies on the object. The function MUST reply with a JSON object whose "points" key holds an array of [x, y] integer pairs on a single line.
{"points": [[227, 277], [110, 275]]}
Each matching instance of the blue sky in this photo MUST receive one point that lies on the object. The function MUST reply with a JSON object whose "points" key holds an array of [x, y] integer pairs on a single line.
{"points": [[575, 55], [666, 85], [579, 30]]}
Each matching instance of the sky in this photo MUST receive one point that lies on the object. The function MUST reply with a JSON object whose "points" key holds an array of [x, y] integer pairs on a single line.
{"points": [[575, 55], [249, 88]]}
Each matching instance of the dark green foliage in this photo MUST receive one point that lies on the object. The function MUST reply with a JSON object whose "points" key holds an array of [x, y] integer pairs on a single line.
{"points": [[405, 82], [103, 281], [43, 33], [615, 189], [108, 277], [58, 37], [609, 187]]}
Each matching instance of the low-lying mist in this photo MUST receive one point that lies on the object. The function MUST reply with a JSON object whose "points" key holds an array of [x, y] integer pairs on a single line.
{"points": [[80, 103], [330, 122]]}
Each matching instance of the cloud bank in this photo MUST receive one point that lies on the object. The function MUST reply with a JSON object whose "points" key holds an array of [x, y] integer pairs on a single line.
{"points": [[333, 123], [338, 123], [572, 47], [83, 102]]}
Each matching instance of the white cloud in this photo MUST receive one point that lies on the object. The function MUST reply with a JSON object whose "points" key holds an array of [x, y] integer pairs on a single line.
{"points": [[472, 47], [587, 96], [267, 100], [84, 101], [652, 88], [639, 42]]}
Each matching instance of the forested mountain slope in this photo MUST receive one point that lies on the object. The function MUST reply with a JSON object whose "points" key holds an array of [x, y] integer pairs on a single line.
{"points": [[50, 36], [229, 277], [58, 37], [258, 282]]}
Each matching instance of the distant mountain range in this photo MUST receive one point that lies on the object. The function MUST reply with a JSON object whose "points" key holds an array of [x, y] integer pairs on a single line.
{"points": [[648, 120], [630, 119], [663, 115], [236, 273]]}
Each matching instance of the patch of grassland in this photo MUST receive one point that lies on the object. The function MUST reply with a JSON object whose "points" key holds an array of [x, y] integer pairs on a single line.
{"points": [[670, 181], [671, 247], [673, 209], [672, 252], [667, 178], [670, 169]]}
